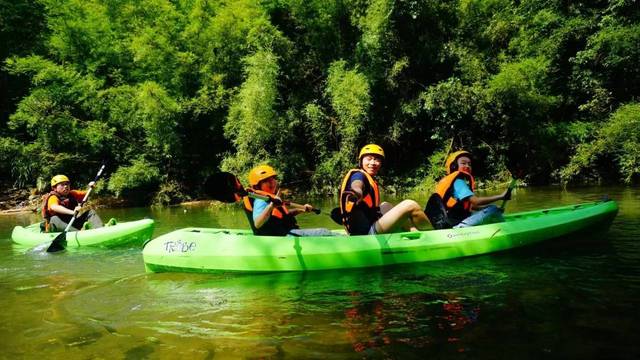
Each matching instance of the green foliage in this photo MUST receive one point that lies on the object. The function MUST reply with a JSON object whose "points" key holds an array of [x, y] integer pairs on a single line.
{"points": [[170, 193], [137, 181], [252, 123], [451, 106], [157, 112], [377, 35], [193, 86], [618, 139], [348, 91], [611, 60], [522, 84], [14, 160], [434, 170]]}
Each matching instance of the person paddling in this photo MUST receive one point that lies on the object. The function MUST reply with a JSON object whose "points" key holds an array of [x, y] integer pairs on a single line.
{"points": [[360, 206], [456, 191], [58, 207], [272, 217]]}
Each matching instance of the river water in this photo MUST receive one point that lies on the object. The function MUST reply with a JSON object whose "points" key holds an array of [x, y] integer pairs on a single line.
{"points": [[570, 298]]}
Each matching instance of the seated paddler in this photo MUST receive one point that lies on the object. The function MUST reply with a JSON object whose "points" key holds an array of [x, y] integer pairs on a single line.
{"points": [[269, 215], [456, 192], [61, 202], [360, 206]]}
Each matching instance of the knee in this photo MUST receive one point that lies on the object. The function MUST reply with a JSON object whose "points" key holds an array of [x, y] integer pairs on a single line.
{"points": [[385, 207], [410, 205], [491, 209]]}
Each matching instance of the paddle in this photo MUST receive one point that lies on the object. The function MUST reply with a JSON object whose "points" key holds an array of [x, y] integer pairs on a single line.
{"points": [[226, 187], [437, 213], [336, 213], [60, 241], [512, 185]]}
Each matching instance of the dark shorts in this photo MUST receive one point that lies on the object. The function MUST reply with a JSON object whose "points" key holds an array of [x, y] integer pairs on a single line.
{"points": [[360, 224]]}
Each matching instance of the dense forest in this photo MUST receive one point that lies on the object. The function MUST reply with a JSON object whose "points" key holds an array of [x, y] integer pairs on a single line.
{"points": [[169, 91]]}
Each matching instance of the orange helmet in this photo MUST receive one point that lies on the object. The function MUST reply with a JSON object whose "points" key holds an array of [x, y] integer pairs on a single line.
{"points": [[259, 173], [371, 149], [451, 164]]}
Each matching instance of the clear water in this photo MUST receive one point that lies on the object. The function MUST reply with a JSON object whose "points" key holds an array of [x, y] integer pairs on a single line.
{"points": [[575, 298]]}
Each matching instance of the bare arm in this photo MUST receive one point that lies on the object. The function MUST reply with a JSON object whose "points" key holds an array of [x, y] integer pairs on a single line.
{"points": [[358, 188], [59, 209], [477, 201], [264, 216], [299, 209]]}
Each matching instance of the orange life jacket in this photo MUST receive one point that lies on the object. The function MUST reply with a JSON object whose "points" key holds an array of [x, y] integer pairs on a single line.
{"points": [[358, 218], [457, 210], [280, 222], [70, 202]]}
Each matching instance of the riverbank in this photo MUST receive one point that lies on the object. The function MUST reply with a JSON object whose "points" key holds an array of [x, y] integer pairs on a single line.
{"points": [[19, 200], [14, 201], [29, 200]]}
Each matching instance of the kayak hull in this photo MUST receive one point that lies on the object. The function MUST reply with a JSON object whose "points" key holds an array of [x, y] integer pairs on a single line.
{"points": [[213, 250], [121, 234]]}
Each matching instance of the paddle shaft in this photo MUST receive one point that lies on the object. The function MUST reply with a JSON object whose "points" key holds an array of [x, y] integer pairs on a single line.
{"points": [[267, 199], [512, 184], [226, 187], [84, 199]]}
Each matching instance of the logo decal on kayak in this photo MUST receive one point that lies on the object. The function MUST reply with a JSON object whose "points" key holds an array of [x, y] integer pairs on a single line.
{"points": [[454, 235], [179, 246]]}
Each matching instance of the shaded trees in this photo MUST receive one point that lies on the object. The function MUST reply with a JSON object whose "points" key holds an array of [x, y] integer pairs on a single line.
{"points": [[185, 87]]}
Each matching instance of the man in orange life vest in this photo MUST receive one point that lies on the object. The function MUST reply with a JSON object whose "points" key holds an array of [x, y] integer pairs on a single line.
{"points": [[272, 217], [457, 193], [59, 205], [362, 212]]}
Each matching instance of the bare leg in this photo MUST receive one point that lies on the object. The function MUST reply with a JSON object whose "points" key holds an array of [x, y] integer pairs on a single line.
{"points": [[402, 225], [407, 210], [385, 207]]}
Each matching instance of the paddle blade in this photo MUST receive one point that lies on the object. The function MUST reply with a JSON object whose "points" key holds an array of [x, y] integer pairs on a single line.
{"points": [[59, 243], [224, 187], [336, 216]]}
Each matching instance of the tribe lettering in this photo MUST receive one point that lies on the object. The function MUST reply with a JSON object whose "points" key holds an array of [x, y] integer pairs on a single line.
{"points": [[179, 246]]}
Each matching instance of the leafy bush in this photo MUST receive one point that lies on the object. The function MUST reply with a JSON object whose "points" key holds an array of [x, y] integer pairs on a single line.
{"points": [[618, 139], [136, 182], [170, 193], [195, 86]]}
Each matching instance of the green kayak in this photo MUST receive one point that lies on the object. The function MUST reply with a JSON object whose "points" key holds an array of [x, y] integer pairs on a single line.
{"points": [[121, 234], [210, 250]]}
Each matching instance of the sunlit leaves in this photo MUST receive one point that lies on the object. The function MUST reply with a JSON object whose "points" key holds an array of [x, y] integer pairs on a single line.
{"points": [[618, 138], [252, 122]]}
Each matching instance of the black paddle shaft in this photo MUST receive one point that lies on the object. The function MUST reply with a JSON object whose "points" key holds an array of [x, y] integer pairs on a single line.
{"points": [[226, 187]]}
